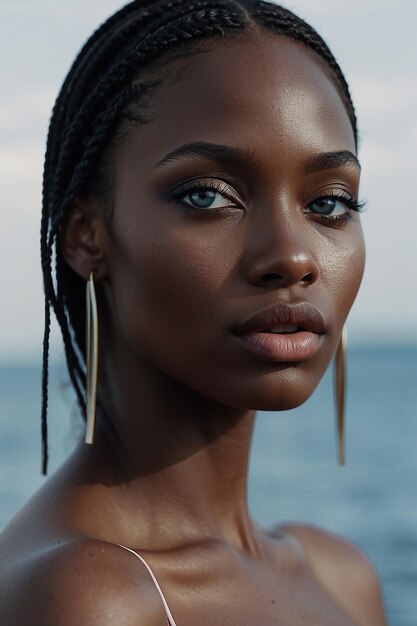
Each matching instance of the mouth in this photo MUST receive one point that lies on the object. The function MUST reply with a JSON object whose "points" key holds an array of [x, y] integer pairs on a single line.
{"points": [[284, 333], [282, 330]]}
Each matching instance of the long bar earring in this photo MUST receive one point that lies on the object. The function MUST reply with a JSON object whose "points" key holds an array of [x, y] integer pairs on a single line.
{"points": [[340, 394], [91, 359]]}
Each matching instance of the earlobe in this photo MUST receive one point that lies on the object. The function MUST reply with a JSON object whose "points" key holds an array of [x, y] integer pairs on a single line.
{"points": [[82, 240]]}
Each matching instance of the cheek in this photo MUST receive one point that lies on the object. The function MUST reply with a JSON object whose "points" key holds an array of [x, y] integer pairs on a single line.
{"points": [[167, 284], [342, 265]]}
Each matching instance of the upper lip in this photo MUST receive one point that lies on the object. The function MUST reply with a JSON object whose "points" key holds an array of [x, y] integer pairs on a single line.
{"points": [[303, 315]]}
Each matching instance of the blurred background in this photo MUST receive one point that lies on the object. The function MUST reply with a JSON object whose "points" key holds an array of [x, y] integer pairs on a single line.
{"points": [[373, 501]]}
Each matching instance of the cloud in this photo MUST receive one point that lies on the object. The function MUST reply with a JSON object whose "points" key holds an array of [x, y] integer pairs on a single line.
{"points": [[20, 178], [386, 109], [355, 9], [25, 112], [393, 95], [52, 9]]}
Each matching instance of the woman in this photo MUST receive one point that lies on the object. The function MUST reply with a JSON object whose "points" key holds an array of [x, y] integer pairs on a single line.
{"points": [[201, 178]]}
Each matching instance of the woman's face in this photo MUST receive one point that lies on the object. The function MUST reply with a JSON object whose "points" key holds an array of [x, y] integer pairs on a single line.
{"points": [[224, 211]]}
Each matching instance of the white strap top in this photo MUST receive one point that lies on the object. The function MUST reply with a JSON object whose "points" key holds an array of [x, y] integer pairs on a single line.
{"points": [[170, 619]]}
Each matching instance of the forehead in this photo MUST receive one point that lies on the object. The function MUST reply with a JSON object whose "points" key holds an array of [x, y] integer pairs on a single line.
{"points": [[267, 94]]}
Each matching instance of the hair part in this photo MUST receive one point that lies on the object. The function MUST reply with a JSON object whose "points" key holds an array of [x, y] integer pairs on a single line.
{"points": [[108, 88]]}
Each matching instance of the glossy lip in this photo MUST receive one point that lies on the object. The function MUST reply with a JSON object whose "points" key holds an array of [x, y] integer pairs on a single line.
{"points": [[291, 347], [303, 314]]}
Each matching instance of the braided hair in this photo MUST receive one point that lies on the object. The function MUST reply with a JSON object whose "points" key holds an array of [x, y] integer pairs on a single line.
{"points": [[105, 89]]}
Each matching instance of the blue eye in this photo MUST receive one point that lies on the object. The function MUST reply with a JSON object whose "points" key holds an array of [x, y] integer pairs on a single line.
{"points": [[209, 194], [331, 206], [202, 199]]}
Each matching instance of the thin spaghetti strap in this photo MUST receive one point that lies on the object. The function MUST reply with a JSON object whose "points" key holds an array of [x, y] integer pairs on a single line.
{"points": [[171, 620]]}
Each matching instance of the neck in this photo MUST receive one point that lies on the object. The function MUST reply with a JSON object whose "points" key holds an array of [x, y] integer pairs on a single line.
{"points": [[174, 456]]}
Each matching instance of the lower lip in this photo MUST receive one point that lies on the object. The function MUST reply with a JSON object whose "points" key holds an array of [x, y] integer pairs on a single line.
{"points": [[288, 348]]}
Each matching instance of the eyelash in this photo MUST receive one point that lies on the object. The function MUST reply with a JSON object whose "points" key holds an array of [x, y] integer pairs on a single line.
{"points": [[208, 184], [222, 188], [339, 220]]}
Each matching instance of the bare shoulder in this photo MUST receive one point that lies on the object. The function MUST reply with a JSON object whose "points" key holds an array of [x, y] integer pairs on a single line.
{"points": [[79, 582], [343, 570]]}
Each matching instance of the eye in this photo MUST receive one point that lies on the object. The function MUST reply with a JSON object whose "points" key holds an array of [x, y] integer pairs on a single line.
{"points": [[329, 206], [334, 206], [206, 199], [206, 195]]}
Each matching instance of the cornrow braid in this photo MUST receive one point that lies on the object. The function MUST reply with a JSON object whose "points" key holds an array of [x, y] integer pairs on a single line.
{"points": [[104, 89]]}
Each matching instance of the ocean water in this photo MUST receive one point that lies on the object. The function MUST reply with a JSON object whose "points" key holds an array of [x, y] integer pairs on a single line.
{"points": [[294, 475]]}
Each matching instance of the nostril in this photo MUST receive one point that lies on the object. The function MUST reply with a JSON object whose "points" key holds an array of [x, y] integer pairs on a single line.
{"points": [[272, 276], [307, 278]]}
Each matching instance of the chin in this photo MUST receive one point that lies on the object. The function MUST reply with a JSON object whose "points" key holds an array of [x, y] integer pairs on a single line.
{"points": [[280, 391], [284, 402]]}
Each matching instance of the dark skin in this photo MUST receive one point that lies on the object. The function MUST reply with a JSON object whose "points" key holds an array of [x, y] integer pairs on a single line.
{"points": [[167, 475]]}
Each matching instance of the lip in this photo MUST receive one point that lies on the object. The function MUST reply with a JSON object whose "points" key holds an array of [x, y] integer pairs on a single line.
{"points": [[292, 347]]}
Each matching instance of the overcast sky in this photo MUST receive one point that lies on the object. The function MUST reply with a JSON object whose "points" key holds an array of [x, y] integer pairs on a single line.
{"points": [[376, 46]]}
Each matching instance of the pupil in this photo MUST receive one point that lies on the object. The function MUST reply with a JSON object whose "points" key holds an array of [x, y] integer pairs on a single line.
{"points": [[324, 205], [203, 198]]}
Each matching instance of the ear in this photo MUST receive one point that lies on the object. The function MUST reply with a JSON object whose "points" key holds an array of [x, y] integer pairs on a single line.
{"points": [[83, 238]]}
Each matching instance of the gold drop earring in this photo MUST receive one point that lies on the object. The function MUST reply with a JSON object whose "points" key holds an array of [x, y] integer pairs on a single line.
{"points": [[91, 359], [340, 394]]}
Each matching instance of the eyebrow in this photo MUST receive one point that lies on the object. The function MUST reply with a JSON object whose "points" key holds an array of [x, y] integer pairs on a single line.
{"points": [[211, 151], [330, 160], [244, 157]]}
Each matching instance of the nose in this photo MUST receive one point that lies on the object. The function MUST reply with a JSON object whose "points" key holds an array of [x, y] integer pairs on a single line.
{"points": [[280, 255]]}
